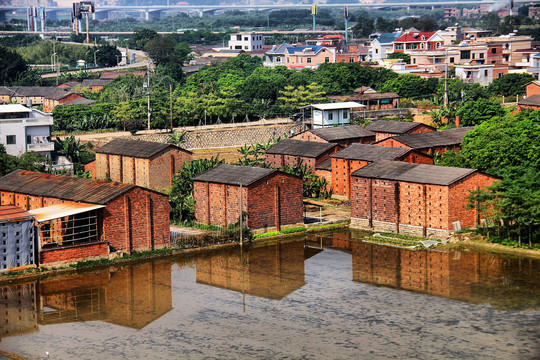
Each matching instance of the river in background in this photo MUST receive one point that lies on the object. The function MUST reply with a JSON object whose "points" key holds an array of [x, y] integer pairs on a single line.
{"points": [[328, 296]]}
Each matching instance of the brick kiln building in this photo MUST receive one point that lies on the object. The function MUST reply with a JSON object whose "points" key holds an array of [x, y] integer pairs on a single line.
{"points": [[414, 199], [357, 156], [341, 135], [80, 218], [387, 128], [271, 199], [428, 143], [296, 152], [143, 163]]}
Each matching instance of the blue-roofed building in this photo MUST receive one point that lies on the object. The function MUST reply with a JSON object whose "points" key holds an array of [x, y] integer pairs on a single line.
{"points": [[383, 46], [308, 57], [276, 55], [534, 68]]}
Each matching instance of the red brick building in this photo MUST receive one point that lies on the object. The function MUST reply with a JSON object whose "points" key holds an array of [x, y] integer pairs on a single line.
{"points": [[357, 156], [297, 152], [341, 135], [387, 128], [143, 163], [271, 199], [414, 199], [81, 218], [532, 98], [428, 143]]}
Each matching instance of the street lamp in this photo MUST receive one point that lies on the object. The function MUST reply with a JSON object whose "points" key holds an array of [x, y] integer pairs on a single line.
{"points": [[95, 61]]}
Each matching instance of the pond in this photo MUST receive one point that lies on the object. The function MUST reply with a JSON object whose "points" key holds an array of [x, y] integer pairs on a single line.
{"points": [[329, 296]]}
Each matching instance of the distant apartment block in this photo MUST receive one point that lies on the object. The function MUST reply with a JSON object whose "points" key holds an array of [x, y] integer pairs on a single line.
{"points": [[451, 12], [246, 41], [23, 129]]}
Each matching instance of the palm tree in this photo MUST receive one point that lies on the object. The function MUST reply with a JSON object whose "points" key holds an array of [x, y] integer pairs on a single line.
{"points": [[177, 138]]}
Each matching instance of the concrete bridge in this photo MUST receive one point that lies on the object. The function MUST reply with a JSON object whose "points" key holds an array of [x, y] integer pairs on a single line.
{"points": [[156, 11]]}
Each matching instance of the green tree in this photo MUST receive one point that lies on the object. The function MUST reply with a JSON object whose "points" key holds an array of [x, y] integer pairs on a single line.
{"points": [[409, 86], [364, 27], [181, 194], [73, 150], [161, 50], [476, 112], [396, 55], [12, 66], [182, 52], [291, 99], [510, 84], [141, 37]]}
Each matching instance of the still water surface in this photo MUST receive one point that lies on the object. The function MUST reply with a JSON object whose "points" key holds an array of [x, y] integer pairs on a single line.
{"points": [[326, 296]]}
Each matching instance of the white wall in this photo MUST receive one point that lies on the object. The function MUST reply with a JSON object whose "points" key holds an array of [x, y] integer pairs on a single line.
{"points": [[246, 42]]}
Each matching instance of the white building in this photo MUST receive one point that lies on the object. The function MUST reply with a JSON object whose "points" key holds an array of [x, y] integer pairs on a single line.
{"points": [[332, 114], [383, 46], [475, 74], [246, 42], [23, 129]]}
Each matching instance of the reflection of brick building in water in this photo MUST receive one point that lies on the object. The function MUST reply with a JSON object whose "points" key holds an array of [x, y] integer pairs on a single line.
{"points": [[133, 296], [18, 305], [466, 276], [271, 272]]}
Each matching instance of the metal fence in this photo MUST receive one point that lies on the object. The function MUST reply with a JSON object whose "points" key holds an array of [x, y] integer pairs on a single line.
{"points": [[181, 240]]}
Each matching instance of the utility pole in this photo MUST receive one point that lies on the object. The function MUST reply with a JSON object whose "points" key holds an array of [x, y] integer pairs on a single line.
{"points": [[446, 79], [241, 215], [170, 95], [149, 110], [87, 30], [346, 13]]}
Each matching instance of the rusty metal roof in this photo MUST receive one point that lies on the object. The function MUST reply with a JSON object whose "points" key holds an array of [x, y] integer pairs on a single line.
{"points": [[10, 213], [57, 211], [415, 173], [135, 148], [63, 187], [301, 148]]}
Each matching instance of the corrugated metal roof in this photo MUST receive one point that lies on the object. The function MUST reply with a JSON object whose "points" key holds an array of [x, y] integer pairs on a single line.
{"points": [[233, 174], [393, 126], [342, 132], [426, 140], [135, 148], [10, 213], [62, 210], [416, 173], [63, 187], [301, 148], [370, 152], [337, 105], [457, 133]]}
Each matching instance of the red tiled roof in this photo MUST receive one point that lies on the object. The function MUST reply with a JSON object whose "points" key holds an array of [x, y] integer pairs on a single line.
{"points": [[409, 37]]}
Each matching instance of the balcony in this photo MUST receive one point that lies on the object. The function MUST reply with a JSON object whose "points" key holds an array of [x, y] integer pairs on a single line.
{"points": [[47, 146]]}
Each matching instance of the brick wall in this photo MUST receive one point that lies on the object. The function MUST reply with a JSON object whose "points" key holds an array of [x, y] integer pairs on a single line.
{"points": [[423, 205], [73, 253], [274, 200], [325, 174], [137, 220], [91, 166], [308, 136], [277, 160], [419, 129], [391, 142], [415, 157], [458, 194], [164, 165], [341, 170], [532, 89]]}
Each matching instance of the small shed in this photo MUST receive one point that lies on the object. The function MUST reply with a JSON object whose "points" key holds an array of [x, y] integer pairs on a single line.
{"points": [[341, 135], [81, 218], [297, 152], [17, 238], [387, 128], [270, 198], [144, 163], [333, 114], [372, 99]]}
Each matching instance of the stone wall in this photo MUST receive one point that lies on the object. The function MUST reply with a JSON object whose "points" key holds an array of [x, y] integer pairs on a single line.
{"points": [[228, 137]]}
